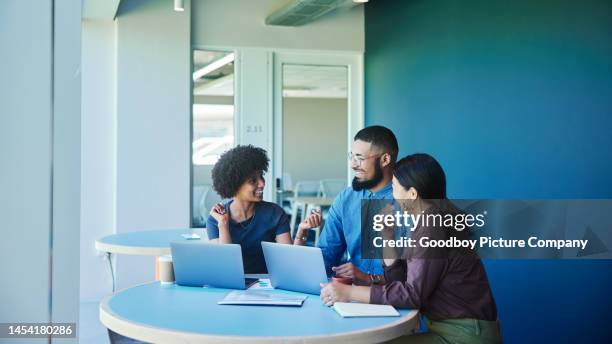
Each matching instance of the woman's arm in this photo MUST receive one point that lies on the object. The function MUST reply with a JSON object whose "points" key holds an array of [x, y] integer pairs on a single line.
{"points": [[360, 294], [395, 269], [221, 216], [284, 238], [424, 268], [423, 276], [390, 254], [311, 221], [338, 292], [224, 234]]}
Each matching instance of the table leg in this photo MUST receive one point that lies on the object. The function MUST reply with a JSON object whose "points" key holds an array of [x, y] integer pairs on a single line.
{"points": [[110, 266], [306, 211]]}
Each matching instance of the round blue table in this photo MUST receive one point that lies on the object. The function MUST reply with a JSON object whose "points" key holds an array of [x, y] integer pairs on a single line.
{"points": [[147, 243], [174, 314]]}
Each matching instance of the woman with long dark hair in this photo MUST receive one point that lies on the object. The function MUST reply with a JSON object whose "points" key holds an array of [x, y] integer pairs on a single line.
{"points": [[448, 285]]}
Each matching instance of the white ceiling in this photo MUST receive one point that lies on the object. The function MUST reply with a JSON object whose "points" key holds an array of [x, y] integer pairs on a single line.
{"points": [[314, 81], [99, 9]]}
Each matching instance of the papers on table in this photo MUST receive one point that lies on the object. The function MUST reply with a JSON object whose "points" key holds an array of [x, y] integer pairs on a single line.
{"points": [[262, 284], [192, 236], [262, 297], [353, 309]]}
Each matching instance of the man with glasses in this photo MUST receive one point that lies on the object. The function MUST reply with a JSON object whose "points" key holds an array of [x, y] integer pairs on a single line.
{"points": [[372, 157]]}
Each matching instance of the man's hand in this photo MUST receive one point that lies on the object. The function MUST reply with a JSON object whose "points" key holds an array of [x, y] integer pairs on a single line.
{"points": [[351, 271]]}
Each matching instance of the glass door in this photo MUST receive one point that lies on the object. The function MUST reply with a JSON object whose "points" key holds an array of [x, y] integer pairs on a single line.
{"points": [[213, 124]]}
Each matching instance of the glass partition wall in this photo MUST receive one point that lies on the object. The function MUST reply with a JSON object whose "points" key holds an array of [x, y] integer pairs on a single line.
{"points": [[212, 124]]}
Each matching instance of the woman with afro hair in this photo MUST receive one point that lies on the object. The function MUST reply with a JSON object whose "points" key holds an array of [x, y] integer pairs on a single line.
{"points": [[245, 218]]}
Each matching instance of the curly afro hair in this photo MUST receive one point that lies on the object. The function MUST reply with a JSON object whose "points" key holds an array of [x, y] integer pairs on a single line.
{"points": [[236, 166]]}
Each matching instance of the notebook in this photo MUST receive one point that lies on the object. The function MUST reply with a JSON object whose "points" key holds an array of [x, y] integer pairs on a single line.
{"points": [[261, 297], [352, 309]]}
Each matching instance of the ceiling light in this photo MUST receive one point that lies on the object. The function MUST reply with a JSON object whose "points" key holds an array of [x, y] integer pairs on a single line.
{"points": [[213, 66], [360, 1], [179, 5]]}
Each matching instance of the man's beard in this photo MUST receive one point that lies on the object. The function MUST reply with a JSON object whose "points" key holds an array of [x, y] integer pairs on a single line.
{"points": [[368, 184]]}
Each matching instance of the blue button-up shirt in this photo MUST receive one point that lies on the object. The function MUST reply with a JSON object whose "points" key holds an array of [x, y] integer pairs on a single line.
{"points": [[342, 230]]}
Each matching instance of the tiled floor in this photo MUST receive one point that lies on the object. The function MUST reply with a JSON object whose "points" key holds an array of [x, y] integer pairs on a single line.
{"points": [[91, 330]]}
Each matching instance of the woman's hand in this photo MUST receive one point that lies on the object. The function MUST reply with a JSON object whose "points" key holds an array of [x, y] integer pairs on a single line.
{"points": [[335, 292], [311, 221], [219, 213]]}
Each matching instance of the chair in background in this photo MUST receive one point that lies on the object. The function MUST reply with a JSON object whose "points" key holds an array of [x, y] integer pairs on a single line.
{"points": [[196, 216], [330, 188], [204, 198], [286, 191], [305, 188], [207, 202], [287, 181]]}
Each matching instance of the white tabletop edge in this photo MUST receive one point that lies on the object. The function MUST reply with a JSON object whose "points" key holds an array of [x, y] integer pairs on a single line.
{"points": [[133, 250], [155, 335]]}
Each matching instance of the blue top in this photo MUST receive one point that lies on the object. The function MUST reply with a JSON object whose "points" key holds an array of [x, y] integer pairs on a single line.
{"points": [[195, 310], [268, 221], [342, 230]]}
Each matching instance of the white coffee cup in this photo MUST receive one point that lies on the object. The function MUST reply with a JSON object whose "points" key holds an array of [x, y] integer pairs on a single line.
{"points": [[166, 269]]}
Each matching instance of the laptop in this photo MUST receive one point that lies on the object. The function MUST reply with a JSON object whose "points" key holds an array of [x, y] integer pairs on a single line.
{"points": [[198, 264], [295, 268]]}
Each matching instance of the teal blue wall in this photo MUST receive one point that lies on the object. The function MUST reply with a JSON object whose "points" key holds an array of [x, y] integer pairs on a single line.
{"points": [[515, 100]]}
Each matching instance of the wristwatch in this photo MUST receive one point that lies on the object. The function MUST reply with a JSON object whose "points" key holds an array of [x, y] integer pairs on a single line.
{"points": [[374, 279]]}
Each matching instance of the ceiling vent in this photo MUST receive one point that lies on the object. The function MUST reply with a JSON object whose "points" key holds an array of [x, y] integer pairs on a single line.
{"points": [[300, 12]]}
